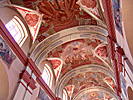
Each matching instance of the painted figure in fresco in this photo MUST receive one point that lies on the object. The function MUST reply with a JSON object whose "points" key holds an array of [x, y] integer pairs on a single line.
{"points": [[8, 57], [117, 15], [2, 50], [5, 52]]}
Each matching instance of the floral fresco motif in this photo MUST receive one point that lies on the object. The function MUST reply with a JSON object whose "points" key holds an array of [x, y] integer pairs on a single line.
{"points": [[55, 63], [96, 95], [5, 53], [58, 15], [90, 79]]}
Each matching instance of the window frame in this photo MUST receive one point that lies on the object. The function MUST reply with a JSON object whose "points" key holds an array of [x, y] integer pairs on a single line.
{"points": [[16, 22]]}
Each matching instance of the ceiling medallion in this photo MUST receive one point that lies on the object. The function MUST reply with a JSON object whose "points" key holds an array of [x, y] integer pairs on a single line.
{"points": [[59, 12]]}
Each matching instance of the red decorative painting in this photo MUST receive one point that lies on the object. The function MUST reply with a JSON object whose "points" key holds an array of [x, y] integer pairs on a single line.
{"points": [[79, 52], [91, 7], [109, 82], [33, 19], [102, 51], [57, 66]]}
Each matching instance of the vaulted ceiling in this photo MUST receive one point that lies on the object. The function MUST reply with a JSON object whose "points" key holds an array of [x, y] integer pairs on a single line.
{"points": [[73, 32]]}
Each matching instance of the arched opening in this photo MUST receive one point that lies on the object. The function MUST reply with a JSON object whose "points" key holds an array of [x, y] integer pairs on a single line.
{"points": [[47, 74], [65, 96], [17, 30], [4, 89], [130, 93]]}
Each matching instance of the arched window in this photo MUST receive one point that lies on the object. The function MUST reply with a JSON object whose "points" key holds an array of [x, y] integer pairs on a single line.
{"points": [[17, 30], [47, 75], [64, 94]]}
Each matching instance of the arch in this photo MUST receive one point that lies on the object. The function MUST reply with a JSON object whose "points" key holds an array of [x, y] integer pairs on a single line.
{"points": [[64, 95], [67, 35], [95, 89], [57, 64], [17, 30], [84, 68], [47, 75], [3, 82], [130, 93], [46, 69]]}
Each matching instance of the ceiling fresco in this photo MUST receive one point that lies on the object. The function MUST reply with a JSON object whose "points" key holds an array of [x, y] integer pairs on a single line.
{"points": [[65, 56], [96, 95], [80, 52], [62, 14], [89, 79]]}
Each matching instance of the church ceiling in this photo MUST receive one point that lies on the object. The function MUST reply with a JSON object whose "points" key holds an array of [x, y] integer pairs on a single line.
{"points": [[81, 52], [90, 79], [58, 15], [96, 95]]}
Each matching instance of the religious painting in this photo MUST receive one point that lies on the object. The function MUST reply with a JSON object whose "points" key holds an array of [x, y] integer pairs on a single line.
{"points": [[117, 15], [5, 53], [42, 95]]}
